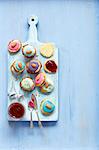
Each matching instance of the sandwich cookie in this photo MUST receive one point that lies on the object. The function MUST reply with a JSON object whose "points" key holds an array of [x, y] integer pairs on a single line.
{"points": [[47, 49], [48, 86], [33, 67], [40, 79], [28, 51], [27, 84], [47, 107], [17, 67], [50, 66], [14, 46]]}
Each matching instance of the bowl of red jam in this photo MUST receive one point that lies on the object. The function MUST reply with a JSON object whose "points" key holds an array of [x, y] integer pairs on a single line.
{"points": [[16, 110]]}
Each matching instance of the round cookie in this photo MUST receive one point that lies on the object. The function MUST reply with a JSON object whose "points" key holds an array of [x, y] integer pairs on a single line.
{"points": [[33, 67], [47, 107], [47, 49], [47, 87], [17, 67], [50, 66], [14, 46], [28, 51], [27, 84], [40, 79]]}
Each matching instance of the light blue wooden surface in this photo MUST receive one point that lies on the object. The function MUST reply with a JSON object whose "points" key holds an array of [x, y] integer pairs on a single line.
{"points": [[74, 26]]}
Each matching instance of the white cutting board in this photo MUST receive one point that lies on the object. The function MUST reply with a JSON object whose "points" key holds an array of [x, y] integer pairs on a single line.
{"points": [[27, 96]]}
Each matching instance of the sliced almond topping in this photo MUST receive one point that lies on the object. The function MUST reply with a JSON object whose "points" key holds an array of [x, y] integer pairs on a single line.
{"points": [[13, 44], [20, 65], [33, 65], [46, 85], [48, 106], [29, 52]]}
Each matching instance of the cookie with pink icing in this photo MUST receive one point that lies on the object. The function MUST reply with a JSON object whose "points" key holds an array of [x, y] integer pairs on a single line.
{"points": [[44, 83], [40, 79], [14, 46]]}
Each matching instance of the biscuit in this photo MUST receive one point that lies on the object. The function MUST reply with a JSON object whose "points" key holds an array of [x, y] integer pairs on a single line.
{"points": [[47, 49]]}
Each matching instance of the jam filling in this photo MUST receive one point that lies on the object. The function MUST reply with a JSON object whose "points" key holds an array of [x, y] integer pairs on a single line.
{"points": [[16, 110], [51, 66]]}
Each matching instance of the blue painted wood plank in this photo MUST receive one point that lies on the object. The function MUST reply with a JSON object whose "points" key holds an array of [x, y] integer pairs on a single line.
{"points": [[72, 25]]}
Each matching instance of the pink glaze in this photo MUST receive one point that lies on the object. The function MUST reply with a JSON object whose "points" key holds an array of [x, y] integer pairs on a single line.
{"points": [[14, 46], [39, 79]]}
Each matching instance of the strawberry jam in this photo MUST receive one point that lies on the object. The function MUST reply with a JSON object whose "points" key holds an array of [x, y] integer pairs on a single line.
{"points": [[51, 66], [16, 110]]}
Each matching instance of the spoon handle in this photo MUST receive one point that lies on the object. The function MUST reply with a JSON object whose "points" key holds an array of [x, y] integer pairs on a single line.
{"points": [[39, 122], [31, 121]]}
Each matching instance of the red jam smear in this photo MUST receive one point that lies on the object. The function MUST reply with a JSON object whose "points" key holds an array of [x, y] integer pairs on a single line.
{"points": [[51, 66], [16, 110], [32, 102]]}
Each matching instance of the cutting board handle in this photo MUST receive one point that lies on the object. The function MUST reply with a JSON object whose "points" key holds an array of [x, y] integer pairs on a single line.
{"points": [[33, 21]]}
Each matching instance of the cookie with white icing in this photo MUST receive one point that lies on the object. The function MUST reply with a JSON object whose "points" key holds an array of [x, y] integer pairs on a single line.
{"points": [[28, 51], [48, 86], [27, 84]]}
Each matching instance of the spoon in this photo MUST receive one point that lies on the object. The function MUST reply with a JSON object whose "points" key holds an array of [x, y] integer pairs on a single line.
{"points": [[30, 106], [35, 107], [13, 94]]}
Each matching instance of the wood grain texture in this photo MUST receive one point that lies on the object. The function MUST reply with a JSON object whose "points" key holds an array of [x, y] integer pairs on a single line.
{"points": [[72, 25]]}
